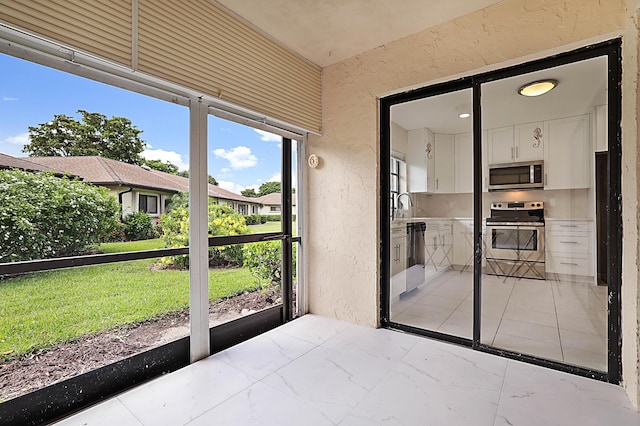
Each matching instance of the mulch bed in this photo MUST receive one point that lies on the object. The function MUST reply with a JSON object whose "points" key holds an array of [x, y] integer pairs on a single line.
{"points": [[37, 370]]}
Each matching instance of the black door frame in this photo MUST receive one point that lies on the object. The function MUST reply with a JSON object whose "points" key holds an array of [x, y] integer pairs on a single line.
{"points": [[613, 51]]}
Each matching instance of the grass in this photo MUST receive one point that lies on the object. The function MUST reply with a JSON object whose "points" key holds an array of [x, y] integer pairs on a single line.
{"points": [[40, 310], [269, 227], [265, 227], [153, 244]]}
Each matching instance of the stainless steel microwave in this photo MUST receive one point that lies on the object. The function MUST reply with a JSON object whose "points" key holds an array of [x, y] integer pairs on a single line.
{"points": [[516, 176]]}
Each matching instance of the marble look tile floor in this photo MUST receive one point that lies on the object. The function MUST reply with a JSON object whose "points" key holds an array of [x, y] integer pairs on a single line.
{"points": [[557, 320], [320, 371]]}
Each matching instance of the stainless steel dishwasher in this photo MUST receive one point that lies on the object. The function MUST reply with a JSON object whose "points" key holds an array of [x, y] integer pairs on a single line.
{"points": [[415, 254]]}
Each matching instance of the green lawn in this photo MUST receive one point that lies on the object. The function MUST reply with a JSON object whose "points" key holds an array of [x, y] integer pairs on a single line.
{"points": [[153, 244], [42, 309], [265, 227], [269, 227]]}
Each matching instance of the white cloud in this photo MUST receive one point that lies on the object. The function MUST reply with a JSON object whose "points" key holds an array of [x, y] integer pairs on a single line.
{"points": [[239, 157], [230, 186], [21, 139], [162, 155], [268, 137], [275, 178], [225, 172], [8, 99], [225, 129]]}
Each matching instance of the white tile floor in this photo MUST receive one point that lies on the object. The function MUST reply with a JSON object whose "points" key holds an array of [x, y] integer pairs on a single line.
{"points": [[556, 320], [319, 371]]}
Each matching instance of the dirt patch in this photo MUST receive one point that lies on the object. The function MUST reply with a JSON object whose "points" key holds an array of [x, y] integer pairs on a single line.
{"points": [[34, 371]]}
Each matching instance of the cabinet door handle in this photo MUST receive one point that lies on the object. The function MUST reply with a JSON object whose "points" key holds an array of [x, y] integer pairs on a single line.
{"points": [[517, 152], [437, 183], [545, 179], [512, 157], [568, 263], [569, 242], [569, 226]]}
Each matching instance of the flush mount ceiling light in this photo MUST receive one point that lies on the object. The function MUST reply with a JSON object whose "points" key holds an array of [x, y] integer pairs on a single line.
{"points": [[537, 88], [463, 111]]}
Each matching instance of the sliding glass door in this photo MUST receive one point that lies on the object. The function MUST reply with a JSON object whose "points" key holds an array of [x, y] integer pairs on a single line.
{"points": [[431, 216], [498, 226]]}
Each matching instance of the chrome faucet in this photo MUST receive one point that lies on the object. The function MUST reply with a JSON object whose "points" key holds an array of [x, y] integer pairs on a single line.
{"points": [[408, 197]]}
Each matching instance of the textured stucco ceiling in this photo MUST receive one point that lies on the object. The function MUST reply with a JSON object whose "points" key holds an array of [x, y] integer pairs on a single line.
{"points": [[328, 31]]}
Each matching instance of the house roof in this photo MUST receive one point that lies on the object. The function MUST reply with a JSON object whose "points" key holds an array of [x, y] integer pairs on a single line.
{"points": [[9, 162], [105, 171], [273, 199]]}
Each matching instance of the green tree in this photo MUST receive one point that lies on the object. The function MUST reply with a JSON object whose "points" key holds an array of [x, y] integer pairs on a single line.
{"points": [[44, 216], [163, 166], [268, 188], [95, 134], [249, 192]]}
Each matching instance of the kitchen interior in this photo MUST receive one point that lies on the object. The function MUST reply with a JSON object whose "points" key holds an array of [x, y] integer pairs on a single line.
{"points": [[544, 191]]}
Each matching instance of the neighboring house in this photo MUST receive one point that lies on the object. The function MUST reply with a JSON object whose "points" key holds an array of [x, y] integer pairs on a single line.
{"points": [[9, 162], [136, 188], [272, 204]]}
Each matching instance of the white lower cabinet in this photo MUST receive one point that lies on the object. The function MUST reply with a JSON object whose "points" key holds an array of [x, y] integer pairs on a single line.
{"points": [[398, 261], [570, 250], [438, 242], [463, 244]]}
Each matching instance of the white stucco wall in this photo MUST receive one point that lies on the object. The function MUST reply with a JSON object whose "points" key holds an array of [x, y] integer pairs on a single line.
{"points": [[343, 248]]}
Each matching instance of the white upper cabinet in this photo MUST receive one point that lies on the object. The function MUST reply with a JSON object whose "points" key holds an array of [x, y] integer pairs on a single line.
{"points": [[529, 144], [463, 162], [513, 144], [431, 161], [567, 154], [501, 149], [444, 158], [416, 161]]}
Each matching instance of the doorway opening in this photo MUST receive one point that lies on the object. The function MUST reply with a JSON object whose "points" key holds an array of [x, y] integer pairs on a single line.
{"points": [[511, 196]]}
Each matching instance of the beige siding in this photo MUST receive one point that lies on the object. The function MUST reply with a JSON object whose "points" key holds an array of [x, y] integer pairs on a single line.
{"points": [[201, 46], [101, 27], [196, 44]]}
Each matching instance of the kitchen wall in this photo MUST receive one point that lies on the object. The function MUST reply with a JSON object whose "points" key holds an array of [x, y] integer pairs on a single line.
{"points": [[559, 204], [343, 243]]}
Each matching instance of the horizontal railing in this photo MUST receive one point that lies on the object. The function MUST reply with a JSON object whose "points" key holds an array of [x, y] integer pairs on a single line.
{"points": [[12, 268]]}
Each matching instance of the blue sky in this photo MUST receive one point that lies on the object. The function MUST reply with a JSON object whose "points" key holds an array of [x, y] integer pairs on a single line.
{"points": [[239, 157]]}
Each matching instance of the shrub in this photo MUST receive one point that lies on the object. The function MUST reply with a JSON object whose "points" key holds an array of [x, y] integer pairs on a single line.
{"points": [[275, 218], [223, 220], [138, 226], [255, 219], [114, 235], [44, 216], [264, 260]]}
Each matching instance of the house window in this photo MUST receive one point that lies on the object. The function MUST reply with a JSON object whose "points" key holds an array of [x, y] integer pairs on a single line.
{"points": [[242, 208], [148, 203], [275, 208], [398, 182]]}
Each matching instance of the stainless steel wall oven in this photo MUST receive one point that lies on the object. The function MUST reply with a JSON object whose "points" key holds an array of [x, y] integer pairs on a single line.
{"points": [[515, 239]]}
